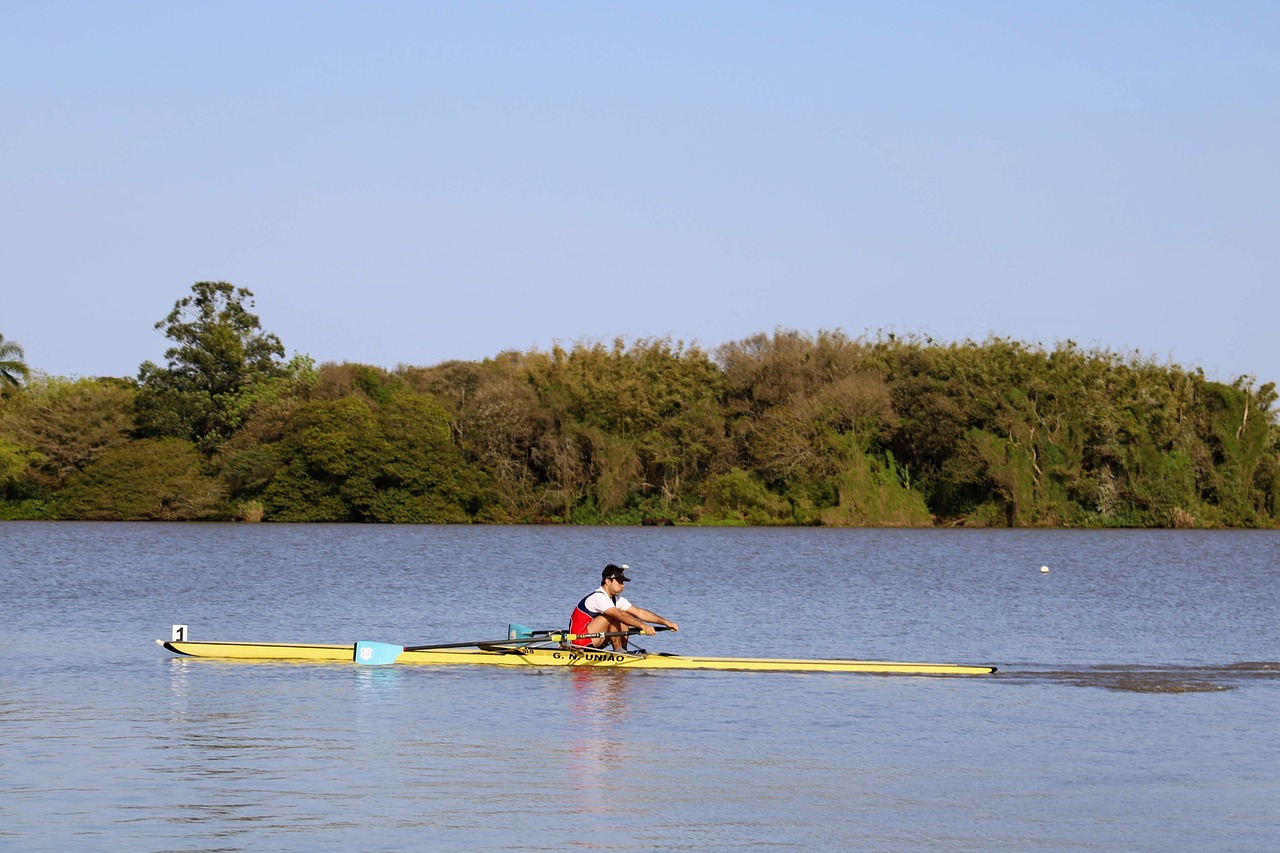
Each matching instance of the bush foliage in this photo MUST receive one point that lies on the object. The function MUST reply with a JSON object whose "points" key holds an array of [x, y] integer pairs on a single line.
{"points": [[787, 428]]}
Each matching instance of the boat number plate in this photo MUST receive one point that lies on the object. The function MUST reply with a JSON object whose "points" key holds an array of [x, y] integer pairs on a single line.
{"points": [[179, 634]]}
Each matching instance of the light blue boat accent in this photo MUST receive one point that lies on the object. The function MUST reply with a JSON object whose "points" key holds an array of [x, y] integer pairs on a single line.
{"points": [[377, 654]]}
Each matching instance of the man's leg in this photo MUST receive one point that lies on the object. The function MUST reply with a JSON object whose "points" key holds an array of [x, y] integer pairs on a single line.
{"points": [[603, 624]]}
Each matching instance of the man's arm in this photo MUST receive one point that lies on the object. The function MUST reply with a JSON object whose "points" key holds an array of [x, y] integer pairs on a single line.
{"points": [[639, 613]]}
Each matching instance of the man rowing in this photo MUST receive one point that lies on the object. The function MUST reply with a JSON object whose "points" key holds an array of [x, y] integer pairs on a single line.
{"points": [[606, 611]]}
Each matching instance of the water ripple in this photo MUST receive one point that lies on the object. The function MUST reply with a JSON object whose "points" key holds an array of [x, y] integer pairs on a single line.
{"points": [[1146, 678]]}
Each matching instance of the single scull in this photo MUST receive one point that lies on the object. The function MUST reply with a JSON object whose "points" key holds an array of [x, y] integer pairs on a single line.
{"points": [[543, 652]]}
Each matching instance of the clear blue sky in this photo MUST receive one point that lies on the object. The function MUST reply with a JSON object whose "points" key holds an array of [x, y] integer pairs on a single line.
{"points": [[412, 182]]}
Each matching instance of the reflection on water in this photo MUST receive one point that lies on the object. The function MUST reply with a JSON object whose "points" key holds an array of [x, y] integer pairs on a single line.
{"points": [[598, 706], [372, 680], [599, 695], [1138, 678]]}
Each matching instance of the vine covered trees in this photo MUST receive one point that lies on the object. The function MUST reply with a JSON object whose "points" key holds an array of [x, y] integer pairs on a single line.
{"points": [[781, 428], [53, 430]]}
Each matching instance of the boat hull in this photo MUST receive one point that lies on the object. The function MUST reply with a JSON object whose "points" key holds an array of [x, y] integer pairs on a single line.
{"points": [[549, 657]]}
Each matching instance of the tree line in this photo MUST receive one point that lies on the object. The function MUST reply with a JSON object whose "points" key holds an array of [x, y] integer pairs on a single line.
{"points": [[786, 428]]}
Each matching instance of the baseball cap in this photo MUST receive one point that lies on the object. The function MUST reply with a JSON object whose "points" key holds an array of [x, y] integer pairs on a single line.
{"points": [[612, 571]]}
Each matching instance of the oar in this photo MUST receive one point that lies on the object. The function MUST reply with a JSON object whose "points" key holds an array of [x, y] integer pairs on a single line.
{"points": [[379, 654], [371, 653]]}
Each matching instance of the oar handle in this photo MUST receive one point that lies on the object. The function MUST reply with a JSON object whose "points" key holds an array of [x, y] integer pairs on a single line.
{"points": [[380, 654], [630, 632]]}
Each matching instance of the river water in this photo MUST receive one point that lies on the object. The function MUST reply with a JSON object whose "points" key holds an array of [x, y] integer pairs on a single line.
{"points": [[1137, 705]]}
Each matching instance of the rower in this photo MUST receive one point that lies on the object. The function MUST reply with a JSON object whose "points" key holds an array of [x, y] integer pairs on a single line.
{"points": [[605, 611]]}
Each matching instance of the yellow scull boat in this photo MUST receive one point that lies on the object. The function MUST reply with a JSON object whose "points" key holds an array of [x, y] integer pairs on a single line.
{"points": [[549, 655]]}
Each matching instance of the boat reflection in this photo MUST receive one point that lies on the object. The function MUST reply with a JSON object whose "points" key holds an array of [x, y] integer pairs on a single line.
{"points": [[598, 699]]}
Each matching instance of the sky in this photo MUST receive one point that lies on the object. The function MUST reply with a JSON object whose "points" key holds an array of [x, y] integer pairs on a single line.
{"points": [[407, 183]]}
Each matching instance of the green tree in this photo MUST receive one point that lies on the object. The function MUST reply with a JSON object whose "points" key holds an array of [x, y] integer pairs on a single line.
{"points": [[67, 424], [16, 463], [625, 427], [498, 419], [220, 357], [740, 496], [352, 460], [810, 415], [13, 367], [146, 480]]}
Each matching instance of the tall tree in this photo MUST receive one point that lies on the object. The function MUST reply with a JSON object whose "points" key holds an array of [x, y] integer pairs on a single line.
{"points": [[13, 367], [220, 357]]}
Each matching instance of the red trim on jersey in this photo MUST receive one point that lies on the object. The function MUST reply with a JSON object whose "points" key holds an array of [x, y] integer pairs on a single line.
{"points": [[581, 618]]}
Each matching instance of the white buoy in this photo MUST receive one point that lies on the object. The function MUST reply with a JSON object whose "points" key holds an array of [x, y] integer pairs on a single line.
{"points": [[1044, 570]]}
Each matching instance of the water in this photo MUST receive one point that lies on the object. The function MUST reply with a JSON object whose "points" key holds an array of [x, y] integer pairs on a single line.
{"points": [[1136, 707]]}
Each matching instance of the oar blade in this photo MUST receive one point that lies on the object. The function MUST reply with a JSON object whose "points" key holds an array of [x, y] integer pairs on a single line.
{"points": [[519, 632], [370, 653]]}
